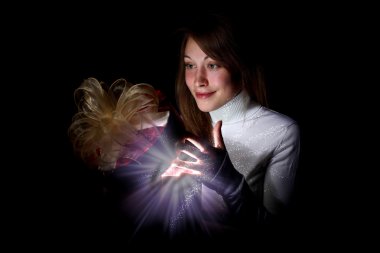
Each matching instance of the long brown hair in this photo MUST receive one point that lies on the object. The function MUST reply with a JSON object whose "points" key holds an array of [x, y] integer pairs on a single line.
{"points": [[216, 37]]}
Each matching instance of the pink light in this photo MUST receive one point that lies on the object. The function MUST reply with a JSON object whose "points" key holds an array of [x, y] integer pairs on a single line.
{"points": [[174, 171]]}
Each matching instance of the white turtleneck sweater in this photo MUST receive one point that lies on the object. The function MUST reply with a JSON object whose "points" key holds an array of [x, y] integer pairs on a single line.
{"points": [[263, 146]]}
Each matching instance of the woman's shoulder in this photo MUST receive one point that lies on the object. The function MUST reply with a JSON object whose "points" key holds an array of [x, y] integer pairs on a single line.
{"points": [[270, 117]]}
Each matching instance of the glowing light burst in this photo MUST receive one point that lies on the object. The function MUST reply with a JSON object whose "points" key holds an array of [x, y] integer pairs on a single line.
{"points": [[165, 193], [175, 171]]}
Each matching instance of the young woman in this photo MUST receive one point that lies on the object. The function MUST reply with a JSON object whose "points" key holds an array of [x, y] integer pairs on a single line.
{"points": [[247, 153]]}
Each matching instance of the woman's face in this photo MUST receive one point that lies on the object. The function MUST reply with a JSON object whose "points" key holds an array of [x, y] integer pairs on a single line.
{"points": [[208, 81]]}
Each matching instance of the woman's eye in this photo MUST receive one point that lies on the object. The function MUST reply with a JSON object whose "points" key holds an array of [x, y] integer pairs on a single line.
{"points": [[189, 66], [213, 66]]}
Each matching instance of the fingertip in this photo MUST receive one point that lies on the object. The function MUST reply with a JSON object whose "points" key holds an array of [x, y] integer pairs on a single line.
{"points": [[217, 135]]}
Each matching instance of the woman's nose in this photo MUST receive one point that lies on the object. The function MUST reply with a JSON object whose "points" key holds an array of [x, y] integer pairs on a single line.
{"points": [[201, 78]]}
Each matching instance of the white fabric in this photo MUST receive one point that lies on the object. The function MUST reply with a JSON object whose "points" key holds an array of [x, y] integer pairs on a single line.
{"points": [[263, 146]]}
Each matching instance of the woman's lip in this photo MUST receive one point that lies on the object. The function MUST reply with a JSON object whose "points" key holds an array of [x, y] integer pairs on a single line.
{"points": [[202, 95]]}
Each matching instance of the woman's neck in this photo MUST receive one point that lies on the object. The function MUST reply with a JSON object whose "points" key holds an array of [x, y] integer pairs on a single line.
{"points": [[233, 110]]}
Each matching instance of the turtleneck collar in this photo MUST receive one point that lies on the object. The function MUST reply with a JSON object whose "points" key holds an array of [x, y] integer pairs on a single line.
{"points": [[235, 109]]}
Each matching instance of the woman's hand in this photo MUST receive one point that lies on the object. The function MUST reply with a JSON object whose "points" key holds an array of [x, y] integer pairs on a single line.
{"points": [[211, 161]]}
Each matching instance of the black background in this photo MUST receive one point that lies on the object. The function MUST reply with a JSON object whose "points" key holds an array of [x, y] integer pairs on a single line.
{"points": [[49, 52]]}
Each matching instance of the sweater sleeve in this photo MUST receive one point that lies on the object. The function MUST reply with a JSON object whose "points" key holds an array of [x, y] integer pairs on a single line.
{"points": [[281, 171]]}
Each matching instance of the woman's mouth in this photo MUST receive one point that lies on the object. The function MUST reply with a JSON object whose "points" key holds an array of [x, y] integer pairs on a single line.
{"points": [[204, 95]]}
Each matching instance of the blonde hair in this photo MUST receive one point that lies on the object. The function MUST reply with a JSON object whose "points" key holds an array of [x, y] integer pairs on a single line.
{"points": [[109, 118]]}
